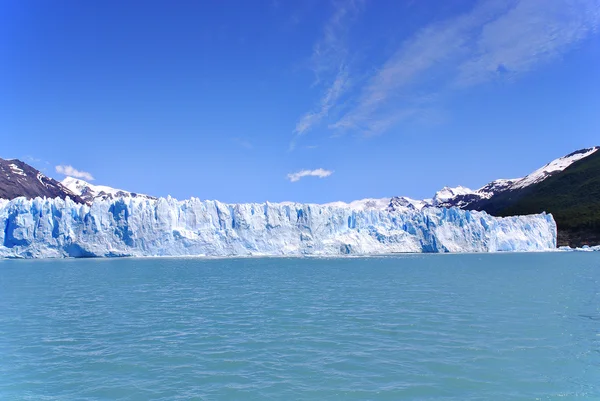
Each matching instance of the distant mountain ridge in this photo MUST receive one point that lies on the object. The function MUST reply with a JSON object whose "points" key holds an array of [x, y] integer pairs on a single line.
{"points": [[572, 196], [18, 178], [466, 198], [567, 187], [89, 192], [485, 198]]}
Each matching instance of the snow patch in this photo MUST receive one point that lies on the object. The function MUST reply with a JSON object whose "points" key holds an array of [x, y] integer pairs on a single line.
{"points": [[89, 192], [405, 202], [554, 166], [447, 193], [40, 177], [462, 197], [17, 170]]}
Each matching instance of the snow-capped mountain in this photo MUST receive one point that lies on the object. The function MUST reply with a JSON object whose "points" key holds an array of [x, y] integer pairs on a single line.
{"points": [[447, 194], [496, 186], [466, 198], [104, 221], [399, 202], [555, 166], [89, 192], [20, 179]]}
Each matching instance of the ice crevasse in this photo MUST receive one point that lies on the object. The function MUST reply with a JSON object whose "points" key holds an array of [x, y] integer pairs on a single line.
{"points": [[43, 227]]}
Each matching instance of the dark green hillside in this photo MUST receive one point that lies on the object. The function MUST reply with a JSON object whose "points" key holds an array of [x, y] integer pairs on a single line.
{"points": [[572, 196]]}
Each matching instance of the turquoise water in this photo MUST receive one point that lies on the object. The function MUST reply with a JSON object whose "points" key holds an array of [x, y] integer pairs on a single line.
{"points": [[443, 327]]}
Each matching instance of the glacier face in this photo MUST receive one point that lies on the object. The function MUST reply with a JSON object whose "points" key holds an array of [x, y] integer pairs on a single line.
{"points": [[167, 227]]}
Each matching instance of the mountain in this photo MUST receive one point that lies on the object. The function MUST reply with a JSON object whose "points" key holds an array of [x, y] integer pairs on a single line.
{"points": [[568, 187], [90, 193], [134, 226], [20, 179], [457, 196], [572, 196], [466, 198], [399, 202]]}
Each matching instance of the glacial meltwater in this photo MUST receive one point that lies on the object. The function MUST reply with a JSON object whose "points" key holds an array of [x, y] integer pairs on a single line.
{"points": [[423, 327]]}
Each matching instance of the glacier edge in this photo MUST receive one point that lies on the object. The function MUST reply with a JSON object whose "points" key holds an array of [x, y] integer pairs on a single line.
{"points": [[55, 228]]}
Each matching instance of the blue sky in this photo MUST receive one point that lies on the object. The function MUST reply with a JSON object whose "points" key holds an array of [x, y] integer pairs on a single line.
{"points": [[311, 101]]}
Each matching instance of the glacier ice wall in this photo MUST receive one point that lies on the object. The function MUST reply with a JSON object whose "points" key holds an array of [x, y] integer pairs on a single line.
{"points": [[165, 226]]}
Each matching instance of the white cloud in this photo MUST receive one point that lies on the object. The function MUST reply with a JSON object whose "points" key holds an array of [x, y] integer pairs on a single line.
{"points": [[321, 173], [73, 172], [494, 40]]}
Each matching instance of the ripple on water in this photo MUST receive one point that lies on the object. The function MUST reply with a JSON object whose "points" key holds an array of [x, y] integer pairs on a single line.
{"points": [[461, 327]]}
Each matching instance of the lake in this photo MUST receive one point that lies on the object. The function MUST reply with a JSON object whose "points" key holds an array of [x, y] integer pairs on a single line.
{"points": [[426, 327]]}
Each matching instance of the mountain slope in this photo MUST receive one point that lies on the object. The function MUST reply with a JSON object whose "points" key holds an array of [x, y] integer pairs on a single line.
{"points": [[567, 187], [479, 200], [20, 179], [572, 196]]}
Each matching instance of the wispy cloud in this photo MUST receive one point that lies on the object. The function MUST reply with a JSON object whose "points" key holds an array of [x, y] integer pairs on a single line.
{"points": [[494, 40], [530, 34], [329, 99], [73, 172], [329, 63], [31, 159], [244, 143], [331, 50], [321, 173]]}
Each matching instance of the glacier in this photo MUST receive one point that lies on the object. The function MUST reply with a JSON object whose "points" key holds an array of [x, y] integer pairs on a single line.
{"points": [[133, 226]]}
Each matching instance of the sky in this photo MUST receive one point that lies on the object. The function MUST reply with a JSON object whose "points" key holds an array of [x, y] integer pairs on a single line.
{"points": [[308, 101]]}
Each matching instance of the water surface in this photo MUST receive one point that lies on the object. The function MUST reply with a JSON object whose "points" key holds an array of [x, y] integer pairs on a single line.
{"points": [[449, 327]]}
